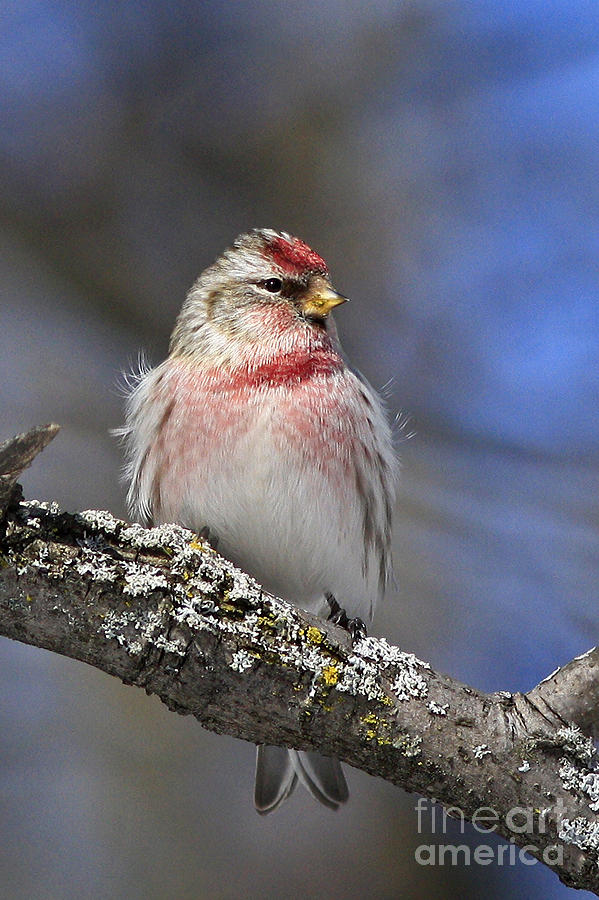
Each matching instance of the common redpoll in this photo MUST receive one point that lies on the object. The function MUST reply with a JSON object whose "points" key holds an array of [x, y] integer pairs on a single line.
{"points": [[256, 428]]}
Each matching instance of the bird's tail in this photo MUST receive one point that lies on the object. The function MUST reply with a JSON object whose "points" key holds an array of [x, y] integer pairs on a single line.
{"points": [[278, 771]]}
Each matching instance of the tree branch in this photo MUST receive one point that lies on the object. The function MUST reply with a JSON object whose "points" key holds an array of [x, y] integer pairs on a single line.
{"points": [[160, 610], [571, 694], [17, 454]]}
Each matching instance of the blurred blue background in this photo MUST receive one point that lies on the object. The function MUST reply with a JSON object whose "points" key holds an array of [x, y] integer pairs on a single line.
{"points": [[443, 157]]}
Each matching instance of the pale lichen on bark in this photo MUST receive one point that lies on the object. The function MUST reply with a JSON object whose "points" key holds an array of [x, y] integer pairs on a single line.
{"points": [[160, 609]]}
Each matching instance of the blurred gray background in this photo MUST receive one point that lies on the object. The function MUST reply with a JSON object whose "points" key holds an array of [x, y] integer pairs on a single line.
{"points": [[443, 157]]}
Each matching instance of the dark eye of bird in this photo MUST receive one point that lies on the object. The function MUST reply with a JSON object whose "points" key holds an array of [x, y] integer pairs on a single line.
{"points": [[273, 285]]}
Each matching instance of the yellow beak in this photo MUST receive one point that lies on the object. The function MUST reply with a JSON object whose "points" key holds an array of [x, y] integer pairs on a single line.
{"points": [[320, 299]]}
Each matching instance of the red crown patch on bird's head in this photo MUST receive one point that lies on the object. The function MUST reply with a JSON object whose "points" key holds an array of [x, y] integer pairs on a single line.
{"points": [[293, 256]]}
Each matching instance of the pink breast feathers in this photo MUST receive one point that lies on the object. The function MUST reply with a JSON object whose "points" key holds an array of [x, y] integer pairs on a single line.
{"points": [[290, 370]]}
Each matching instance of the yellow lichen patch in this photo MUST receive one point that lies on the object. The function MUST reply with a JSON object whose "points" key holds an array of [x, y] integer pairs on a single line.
{"points": [[267, 622], [228, 607], [314, 635], [330, 675], [370, 719], [197, 543], [376, 733]]}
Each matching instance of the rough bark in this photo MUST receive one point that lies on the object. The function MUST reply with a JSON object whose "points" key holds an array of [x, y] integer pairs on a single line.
{"points": [[160, 610]]}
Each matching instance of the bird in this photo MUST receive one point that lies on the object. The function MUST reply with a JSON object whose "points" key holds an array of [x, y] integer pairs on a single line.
{"points": [[256, 432]]}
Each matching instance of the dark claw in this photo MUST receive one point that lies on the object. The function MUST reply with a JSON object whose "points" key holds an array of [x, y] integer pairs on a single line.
{"points": [[208, 537], [334, 606], [338, 616], [357, 630]]}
